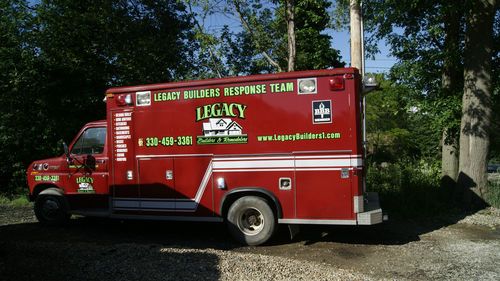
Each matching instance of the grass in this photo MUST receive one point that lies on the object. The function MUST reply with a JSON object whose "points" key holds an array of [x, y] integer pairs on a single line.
{"points": [[492, 196], [18, 201]]}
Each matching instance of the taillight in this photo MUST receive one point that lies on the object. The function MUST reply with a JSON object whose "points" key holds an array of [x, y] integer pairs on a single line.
{"points": [[336, 83], [124, 99]]}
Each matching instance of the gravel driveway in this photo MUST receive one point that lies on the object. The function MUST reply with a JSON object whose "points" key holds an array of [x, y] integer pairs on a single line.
{"points": [[454, 248]]}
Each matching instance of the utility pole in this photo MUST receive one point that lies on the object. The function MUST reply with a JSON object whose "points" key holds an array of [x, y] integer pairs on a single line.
{"points": [[357, 61], [356, 35]]}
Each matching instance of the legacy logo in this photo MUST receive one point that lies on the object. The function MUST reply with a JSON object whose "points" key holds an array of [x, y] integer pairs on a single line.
{"points": [[85, 185], [322, 111], [221, 131]]}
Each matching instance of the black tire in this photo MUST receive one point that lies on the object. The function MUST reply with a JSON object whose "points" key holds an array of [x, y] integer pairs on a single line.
{"points": [[51, 210], [251, 220]]}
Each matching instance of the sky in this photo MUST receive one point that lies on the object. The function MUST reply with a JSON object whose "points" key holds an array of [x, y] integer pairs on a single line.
{"points": [[382, 63]]}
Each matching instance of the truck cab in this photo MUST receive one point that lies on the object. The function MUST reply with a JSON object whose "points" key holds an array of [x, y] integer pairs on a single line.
{"points": [[75, 180]]}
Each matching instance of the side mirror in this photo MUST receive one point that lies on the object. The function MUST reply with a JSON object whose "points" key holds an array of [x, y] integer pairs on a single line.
{"points": [[66, 152], [90, 162]]}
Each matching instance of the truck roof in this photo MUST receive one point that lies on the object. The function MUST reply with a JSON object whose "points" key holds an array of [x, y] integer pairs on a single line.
{"points": [[219, 81], [97, 123]]}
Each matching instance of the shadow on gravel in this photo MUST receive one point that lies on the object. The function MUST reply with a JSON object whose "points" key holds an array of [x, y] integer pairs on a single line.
{"points": [[102, 249], [388, 233], [109, 231], [105, 249], [215, 235], [66, 261]]}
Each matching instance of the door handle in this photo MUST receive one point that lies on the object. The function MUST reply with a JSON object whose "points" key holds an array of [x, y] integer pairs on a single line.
{"points": [[100, 161], [169, 175]]}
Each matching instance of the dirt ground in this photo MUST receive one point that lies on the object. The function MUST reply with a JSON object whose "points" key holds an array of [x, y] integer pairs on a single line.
{"points": [[453, 248]]}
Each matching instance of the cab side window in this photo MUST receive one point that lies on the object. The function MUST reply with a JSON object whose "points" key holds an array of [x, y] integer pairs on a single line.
{"points": [[90, 142]]}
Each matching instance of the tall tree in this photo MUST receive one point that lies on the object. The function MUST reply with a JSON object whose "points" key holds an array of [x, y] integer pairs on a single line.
{"points": [[427, 36], [21, 120], [451, 84], [290, 24], [57, 57], [477, 98]]}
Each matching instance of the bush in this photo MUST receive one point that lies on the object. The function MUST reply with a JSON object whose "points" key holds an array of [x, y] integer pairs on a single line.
{"points": [[409, 188]]}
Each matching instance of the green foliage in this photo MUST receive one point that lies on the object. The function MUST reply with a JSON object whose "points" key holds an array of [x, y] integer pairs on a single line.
{"points": [[404, 166], [58, 57], [409, 188], [396, 127]]}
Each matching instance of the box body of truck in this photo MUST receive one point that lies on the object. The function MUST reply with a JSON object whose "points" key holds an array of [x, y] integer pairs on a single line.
{"points": [[203, 150]]}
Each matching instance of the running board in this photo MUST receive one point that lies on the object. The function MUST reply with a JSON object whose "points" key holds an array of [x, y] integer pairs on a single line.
{"points": [[102, 213]]}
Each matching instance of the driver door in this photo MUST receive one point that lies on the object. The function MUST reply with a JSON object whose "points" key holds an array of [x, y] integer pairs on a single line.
{"points": [[88, 168]]}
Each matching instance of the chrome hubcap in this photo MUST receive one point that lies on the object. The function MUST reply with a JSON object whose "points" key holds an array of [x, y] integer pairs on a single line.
{"points": [[251, 221]]}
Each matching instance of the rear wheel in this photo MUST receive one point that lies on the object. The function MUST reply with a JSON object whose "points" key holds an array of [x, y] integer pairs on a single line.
{"points": [[251, 220], [51, 210]]}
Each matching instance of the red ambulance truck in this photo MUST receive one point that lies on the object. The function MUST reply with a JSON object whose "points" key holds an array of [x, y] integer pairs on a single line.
{"points": [[252, 152]]}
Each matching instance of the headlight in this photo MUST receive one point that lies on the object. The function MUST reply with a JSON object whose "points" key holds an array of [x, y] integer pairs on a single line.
{"points": [[143, 98], [38, 166]]}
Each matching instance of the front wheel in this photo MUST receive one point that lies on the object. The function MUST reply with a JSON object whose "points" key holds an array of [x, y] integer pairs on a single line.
{"points": [[51, 210], [251, 220]]}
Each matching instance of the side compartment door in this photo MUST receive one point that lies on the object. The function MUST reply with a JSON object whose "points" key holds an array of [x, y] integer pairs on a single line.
{"points": [[323, 187], [157, 184]]}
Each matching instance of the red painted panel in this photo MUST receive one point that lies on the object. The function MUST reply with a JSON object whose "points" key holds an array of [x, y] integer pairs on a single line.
{"points": [[323, 195], [265, 119], [189, 173]]}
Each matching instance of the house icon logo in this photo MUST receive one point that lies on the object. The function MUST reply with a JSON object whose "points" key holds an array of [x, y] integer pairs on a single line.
{"points": [[221, 127], [222, 131]]}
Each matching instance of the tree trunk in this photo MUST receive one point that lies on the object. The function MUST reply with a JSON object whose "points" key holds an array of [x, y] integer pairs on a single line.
{"points": [[449, 159], [355, 28], [476, 102], [290, 23], [452, 84]]}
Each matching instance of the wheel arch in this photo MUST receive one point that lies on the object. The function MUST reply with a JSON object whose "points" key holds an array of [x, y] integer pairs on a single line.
{"points": [[235, 194], [43, 187]]}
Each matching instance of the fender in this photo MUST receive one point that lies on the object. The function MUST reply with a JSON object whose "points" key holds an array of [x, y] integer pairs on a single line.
{"points": [[54, 191], [251, 190], [39, 188]]}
